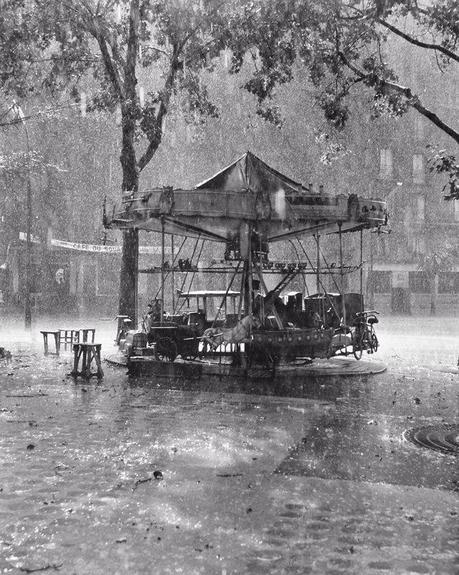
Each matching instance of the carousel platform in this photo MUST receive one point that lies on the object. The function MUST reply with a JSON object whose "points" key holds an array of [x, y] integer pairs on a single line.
{"points": [[195, 369]]}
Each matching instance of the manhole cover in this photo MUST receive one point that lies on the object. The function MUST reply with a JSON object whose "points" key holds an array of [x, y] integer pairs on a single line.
{"points": [[444, 438]]}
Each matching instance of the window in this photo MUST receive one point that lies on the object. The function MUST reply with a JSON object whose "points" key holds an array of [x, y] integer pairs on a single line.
{"points": [[173, 138], [188, 133], [418, 169], [456, 210], [226, 58], [385, 163], [89, 279], [83, 104], [420, 208], [118, 116], [380, 246], [420, 246], [452, 97], [380, 281], [400, 280], [419, 282], [419, 127], [448, 282]]}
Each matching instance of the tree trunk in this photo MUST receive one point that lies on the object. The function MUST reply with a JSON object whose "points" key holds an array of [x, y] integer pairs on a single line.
{"points": [[130, 255], [129, 275], [433, 295]]}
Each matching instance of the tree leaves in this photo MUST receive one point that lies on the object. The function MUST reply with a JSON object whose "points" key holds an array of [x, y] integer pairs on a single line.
{"points": [[87, 48], [340, 43], [443, 163]]}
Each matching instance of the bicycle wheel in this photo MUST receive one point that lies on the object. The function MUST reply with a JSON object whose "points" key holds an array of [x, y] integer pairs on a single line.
{"points": [[357, 345], [374, 343]]}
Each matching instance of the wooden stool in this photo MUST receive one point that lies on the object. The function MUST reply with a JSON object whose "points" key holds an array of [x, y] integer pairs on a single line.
{"points": [[57, 341], [69, 336], [87, 352], [85, 333]]}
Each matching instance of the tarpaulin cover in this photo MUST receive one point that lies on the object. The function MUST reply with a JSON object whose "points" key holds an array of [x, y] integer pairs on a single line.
{"points": [[250, 173]]}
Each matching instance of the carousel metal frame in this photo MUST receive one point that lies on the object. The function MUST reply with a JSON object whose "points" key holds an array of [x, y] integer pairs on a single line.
{"points": [[247, 207]]}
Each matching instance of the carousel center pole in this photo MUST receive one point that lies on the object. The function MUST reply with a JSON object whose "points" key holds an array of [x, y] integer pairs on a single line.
{"points": [[361, 270], [250, 277], [248, 270], [343, 305], [172, 271], [317, 237], [162, 270]]}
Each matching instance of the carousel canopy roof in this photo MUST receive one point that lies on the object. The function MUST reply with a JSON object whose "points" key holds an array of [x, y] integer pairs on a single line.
{"points": [[250, 173], [247, 194]]}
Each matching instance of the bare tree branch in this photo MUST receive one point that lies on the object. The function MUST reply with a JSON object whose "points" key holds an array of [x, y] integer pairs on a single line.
{"points": [[411, 99], [111, 68], [116, 52], [416, 42], [156, 49], [163, 108]]}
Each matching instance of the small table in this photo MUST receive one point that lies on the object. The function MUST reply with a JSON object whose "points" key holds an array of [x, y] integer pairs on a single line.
{"points": [[57, 341], [87, 352], [69, 336]]}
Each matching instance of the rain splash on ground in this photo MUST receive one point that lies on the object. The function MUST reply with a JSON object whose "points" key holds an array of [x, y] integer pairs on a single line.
{"points": [[140, 476]]}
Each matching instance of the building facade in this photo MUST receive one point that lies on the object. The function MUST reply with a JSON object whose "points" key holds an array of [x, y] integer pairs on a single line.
{"points": [[415, 269]]}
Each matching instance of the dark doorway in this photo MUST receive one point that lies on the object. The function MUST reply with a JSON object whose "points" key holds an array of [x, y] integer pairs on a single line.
{"points": [[401, 300]]}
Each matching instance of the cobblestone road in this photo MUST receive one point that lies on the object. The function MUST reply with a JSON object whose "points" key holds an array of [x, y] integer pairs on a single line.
{"points": [[136, 477]]}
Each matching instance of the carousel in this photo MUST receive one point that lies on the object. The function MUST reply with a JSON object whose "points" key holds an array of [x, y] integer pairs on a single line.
{"points": [[252, 324]]}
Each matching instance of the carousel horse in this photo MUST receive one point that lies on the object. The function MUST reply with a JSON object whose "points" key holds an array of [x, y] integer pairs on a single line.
{"points": [[214, 337]]}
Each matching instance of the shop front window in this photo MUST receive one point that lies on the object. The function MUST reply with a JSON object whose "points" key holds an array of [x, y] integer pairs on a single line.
{"points": [[448, 282], [419, 282], [381, 281]]}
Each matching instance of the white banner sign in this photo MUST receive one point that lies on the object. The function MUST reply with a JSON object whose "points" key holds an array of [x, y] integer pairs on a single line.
{"points": [[94, 248]]}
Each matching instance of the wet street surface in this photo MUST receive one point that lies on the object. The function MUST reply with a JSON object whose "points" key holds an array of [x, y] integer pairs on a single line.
{"points": [[128, 476]]}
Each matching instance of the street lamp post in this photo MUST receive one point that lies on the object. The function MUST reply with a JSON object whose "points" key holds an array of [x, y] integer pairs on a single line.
{"points": [[27, 302]]}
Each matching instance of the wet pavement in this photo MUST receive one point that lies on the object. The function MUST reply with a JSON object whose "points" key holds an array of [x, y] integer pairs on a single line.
{"points": [[128, 476]]}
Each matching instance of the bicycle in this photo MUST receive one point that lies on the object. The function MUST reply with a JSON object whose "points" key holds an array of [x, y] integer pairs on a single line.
{"points": [[364, 336]]}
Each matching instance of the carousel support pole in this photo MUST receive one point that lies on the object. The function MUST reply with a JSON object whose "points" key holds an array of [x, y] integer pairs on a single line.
{"points": [[317, 238], [172, 272], [343, 305], [361, 270], [318, 282], [241, 297], [370, 280], [246, 288], [162, 270], [250, 278], [246, 254]]}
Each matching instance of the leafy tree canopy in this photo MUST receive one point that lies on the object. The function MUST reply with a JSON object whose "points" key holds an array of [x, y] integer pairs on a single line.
{"points": [[111, 45], [58, 45], [342, 44]]}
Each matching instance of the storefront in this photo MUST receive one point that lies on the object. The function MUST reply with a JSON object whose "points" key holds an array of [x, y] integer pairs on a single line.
{"points": [[408, 290], [68, 278]]}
